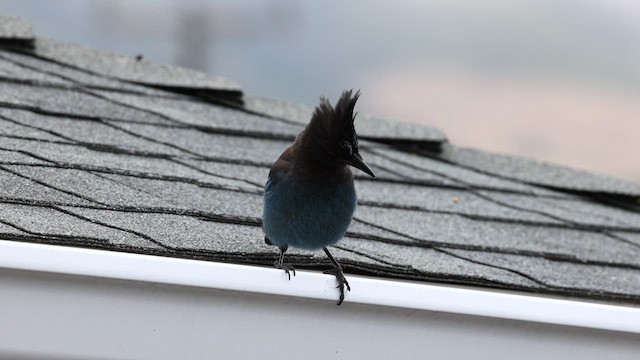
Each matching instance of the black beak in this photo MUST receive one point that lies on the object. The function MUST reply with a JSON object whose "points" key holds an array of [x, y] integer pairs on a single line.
{"points": [[356, 161]]}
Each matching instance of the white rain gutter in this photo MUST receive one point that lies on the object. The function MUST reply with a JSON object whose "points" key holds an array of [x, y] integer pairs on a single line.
{"points": [[307, 284]]}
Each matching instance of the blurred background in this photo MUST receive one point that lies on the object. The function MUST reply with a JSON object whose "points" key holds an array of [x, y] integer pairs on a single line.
{"points": [[556, 80]]}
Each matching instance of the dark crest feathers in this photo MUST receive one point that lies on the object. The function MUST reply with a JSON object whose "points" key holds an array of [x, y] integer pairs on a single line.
{"points": [[338, 119]]}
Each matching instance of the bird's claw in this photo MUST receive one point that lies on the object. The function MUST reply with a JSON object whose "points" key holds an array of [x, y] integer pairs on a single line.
{"points": [[342, 281], [288, 268]]}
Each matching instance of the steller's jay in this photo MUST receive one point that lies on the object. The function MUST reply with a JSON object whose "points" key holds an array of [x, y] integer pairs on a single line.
{"points": [[309, 197]]}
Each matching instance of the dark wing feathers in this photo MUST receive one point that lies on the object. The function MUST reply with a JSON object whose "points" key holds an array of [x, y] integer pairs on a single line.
{"points": [[279, 168]]}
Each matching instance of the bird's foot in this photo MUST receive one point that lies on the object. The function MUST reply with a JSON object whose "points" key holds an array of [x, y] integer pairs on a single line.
{"points": [[342, 281], [288, 268]]}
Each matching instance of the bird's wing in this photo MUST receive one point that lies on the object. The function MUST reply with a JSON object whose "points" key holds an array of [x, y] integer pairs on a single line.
{"points": [[281, 166], [270, 182]]}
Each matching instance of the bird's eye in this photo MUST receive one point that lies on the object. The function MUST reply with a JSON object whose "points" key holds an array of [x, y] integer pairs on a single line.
{"points": [[347, 147]]}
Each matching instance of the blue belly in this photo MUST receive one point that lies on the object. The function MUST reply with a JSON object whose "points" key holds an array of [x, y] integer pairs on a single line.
{"points": [[307, 217]]}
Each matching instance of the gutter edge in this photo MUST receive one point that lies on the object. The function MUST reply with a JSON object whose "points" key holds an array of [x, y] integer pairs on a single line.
{"points": [[307, 284]]}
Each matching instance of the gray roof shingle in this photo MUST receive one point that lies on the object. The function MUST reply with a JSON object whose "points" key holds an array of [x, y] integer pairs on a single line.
{"points": [[133, 70], [539, 173], [94, 155], [16, 31]]}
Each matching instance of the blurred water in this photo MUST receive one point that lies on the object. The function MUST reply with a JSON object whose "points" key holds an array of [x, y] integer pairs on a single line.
{"points": [[556, 80]]}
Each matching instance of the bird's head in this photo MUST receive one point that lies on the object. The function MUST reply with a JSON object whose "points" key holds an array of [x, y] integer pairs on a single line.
{"points": [[332, 132]]}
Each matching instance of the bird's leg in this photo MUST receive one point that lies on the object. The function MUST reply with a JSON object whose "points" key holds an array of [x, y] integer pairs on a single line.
{"points": [[337, 272], [280, 264]]}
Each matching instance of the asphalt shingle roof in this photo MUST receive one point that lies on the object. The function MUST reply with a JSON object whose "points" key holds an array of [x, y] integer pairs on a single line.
{"points": [[16, 31], [103, 151], [134, 70]]}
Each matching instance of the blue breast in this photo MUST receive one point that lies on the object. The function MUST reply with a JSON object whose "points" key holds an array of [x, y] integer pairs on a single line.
{"points": [[307, 216]]}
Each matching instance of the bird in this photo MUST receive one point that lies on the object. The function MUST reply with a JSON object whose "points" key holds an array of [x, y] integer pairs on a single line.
{"points": [[309, 196]]}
